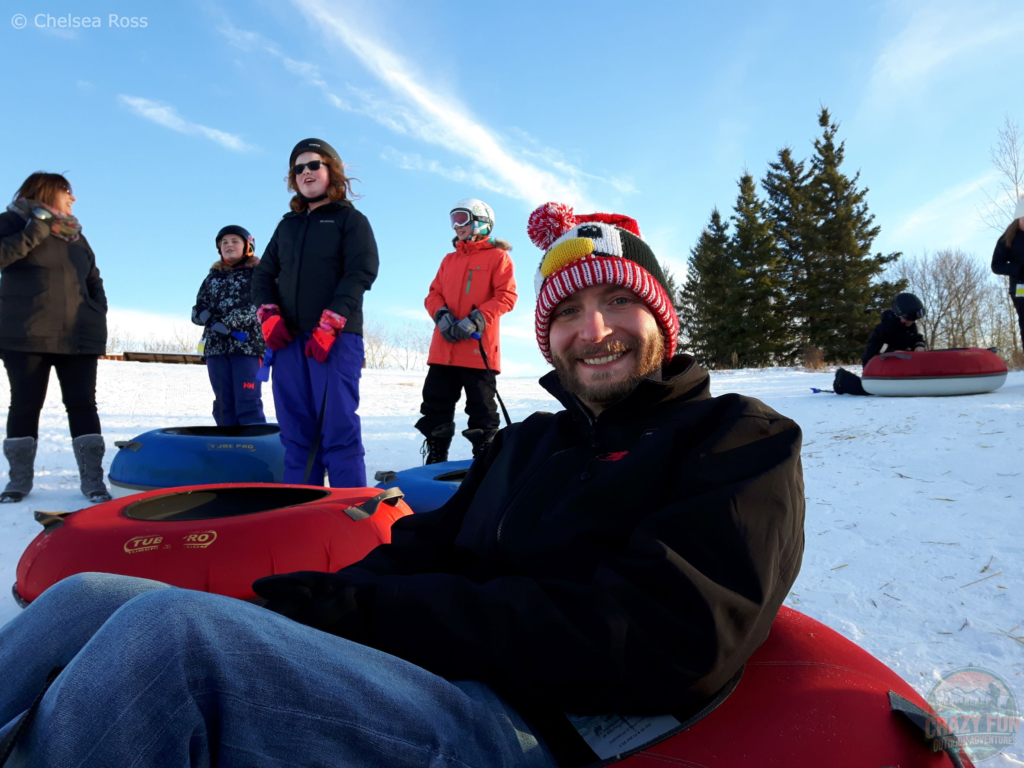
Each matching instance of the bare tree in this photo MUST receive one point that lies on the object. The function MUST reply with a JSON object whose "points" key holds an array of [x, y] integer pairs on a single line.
{"points": [[1007, 157], [377, 346], [957, 291], [412, 343]]}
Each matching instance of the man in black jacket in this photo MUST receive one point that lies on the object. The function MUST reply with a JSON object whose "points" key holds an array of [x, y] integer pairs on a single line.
{"points": [[624, 555]]}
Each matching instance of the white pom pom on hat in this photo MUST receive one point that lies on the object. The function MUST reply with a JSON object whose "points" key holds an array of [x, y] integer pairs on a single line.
{"points": [[1019, 212]]}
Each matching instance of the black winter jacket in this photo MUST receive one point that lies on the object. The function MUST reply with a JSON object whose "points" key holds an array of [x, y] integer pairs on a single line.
{"points": [[626, 564], [51, 294], [227, 294], [893, 333], [317, 260], [1009, 261]]}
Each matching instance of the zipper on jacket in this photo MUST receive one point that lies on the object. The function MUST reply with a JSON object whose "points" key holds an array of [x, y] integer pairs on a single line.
{"points": [[594, 442], [512, 500], [469, 280]]}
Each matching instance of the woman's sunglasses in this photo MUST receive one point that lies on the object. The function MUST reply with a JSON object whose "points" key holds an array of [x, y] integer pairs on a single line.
{"points": [[313, 165]]}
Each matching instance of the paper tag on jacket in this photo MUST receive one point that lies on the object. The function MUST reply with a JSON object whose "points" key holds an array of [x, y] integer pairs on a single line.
{"points": [[1020, 289], [612, 735]]}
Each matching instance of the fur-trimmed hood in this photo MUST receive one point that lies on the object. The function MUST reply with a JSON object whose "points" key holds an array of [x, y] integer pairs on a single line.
{"points": [[222, 266], [485, 244]]}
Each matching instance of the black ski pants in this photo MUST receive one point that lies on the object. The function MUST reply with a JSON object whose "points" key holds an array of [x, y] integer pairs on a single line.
{"points": [[441, 391], [29, 375]]}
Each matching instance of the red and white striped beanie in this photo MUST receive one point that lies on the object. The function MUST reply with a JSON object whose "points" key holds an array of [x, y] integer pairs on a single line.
{"points": [[599, 248]]}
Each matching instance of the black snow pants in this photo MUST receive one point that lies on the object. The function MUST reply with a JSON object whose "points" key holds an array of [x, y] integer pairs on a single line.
{"points": [[441, 391]]}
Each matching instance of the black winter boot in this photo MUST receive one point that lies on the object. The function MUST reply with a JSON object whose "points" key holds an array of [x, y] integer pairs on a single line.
{"points": [[89, 454], [21, 455], [481, 440], [435, 447]]}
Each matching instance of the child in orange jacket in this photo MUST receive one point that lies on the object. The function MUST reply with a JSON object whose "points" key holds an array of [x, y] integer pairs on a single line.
{"points": [[473, 288]]}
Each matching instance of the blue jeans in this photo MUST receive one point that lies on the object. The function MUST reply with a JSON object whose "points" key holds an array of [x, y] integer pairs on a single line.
{"points": [[299, 383], [160, 676]]}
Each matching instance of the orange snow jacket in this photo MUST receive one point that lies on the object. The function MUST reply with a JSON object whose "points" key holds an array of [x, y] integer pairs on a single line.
{"points": [[478, 275]]}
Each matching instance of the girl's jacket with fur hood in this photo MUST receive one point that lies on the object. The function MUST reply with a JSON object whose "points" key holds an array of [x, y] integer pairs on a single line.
{"points": [[477, 275], [227, 294]]}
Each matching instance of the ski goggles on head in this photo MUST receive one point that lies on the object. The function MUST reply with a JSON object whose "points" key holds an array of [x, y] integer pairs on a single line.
{"points": [[313, 165], [461, 217], [914, 316]]}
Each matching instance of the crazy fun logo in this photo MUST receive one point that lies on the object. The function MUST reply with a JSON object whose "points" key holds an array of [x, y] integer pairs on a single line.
{"points": [[976, 708]]}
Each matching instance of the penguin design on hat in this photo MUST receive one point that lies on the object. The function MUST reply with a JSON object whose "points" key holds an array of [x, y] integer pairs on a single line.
{"points": [[594, 249]]}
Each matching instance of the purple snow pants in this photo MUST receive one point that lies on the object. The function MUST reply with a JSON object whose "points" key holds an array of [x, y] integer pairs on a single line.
{"points": [[298, 384]]}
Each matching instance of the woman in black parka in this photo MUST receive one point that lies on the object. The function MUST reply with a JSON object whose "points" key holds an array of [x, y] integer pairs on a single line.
{"points": [[1008, 259], [53, 314]]}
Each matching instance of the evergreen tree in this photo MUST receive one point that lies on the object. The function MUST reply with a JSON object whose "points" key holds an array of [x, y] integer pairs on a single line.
{"points": [[793, 225], [756, 316], [704, 300], [841, 293]]}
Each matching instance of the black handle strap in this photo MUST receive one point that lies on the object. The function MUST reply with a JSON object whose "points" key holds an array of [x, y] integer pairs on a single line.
{"points": [[9, 741], [504, 411], [368, 507], [51, 521], [316, 439], [900, 355], [933, 730]]}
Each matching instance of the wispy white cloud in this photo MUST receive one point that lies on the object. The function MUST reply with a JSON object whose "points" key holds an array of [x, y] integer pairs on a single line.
{"points": [[408, 107], [934, 37], [413, 162], [168, 117], [949, 219]]}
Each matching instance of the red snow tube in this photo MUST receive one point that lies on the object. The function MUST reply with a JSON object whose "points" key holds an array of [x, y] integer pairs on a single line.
{"points": [[212, 538], [930, 374], [807, 697]]}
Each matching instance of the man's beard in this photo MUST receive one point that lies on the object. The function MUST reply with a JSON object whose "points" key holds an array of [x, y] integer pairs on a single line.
{"points": [[600, 388]]}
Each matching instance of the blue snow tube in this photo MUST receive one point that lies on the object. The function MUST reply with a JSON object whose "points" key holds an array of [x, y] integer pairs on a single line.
{"points": [[168, 458], [428, 487]]}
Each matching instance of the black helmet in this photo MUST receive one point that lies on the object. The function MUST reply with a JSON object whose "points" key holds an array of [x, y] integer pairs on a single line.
{"points": [[242, 232], [319, 146], [908, 306]]}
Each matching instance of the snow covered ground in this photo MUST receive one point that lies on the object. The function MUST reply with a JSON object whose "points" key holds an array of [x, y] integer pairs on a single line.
{"points": [[914, 506]]}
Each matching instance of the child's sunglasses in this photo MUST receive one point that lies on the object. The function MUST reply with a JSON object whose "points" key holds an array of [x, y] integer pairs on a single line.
{"points": [[313, 165]]}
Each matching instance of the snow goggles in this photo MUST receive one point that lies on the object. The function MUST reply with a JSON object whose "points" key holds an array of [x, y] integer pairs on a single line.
{"points": [[914, 316], [313, 165], [461, 217]]}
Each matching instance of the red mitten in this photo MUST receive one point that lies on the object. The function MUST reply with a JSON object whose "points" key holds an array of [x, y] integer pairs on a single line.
{"points": [[324, 335], [275, 330]]}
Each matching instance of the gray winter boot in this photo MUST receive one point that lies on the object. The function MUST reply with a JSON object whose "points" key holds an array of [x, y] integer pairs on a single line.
{"points": [[89, 454], [21, 455]]}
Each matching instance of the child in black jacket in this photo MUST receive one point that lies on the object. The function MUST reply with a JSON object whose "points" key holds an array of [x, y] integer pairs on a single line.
{"points": [[232, 343]]}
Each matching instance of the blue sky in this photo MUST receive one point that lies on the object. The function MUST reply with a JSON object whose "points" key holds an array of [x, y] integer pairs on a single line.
{"points": [[653, 109]]}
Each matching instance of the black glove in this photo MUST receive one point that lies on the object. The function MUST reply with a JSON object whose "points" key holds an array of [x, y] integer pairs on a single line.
{"points": [[472, 323], [445, 322], [324, 601], [920, 347]]}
